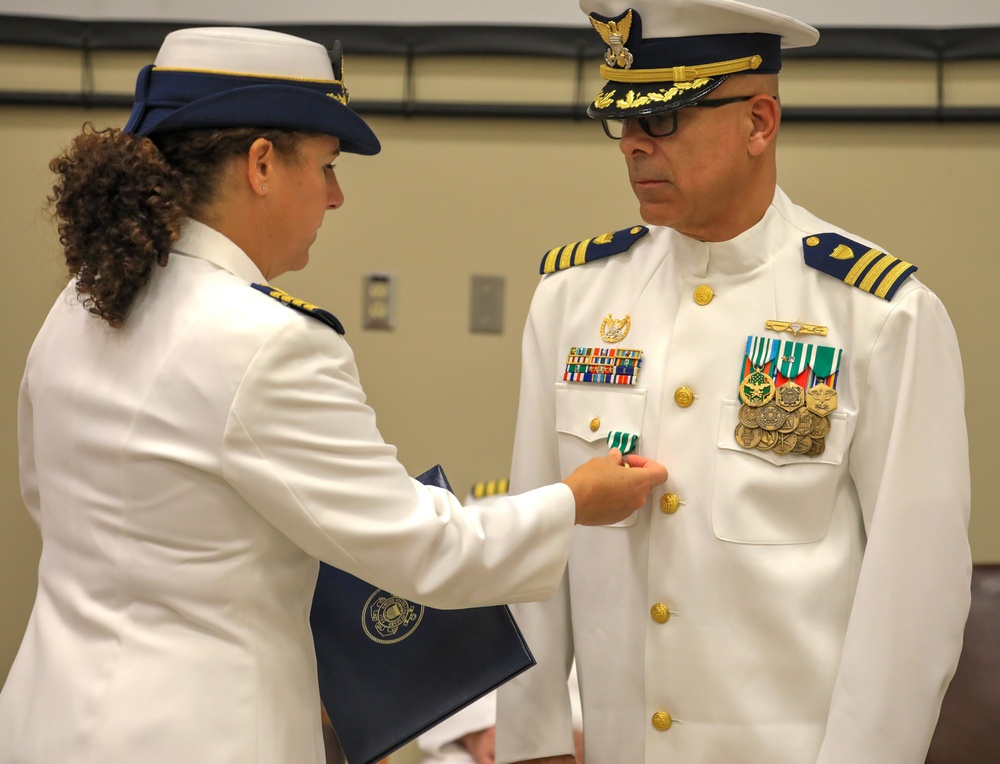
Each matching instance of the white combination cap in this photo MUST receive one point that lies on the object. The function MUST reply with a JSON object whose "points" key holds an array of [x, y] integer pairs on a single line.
{"points": [[664, 54]]}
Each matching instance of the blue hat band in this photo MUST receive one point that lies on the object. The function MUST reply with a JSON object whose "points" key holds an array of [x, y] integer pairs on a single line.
{"points": [[161, 92], [668, 52], [173, 100]]}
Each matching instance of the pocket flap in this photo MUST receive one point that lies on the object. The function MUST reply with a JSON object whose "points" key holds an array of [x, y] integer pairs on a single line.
{"points": [[590, 412]]}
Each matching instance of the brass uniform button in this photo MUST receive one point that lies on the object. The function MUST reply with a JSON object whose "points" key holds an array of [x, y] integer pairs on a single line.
{"points": [[703, 295], [812, 241], [684, 397], [660, 612], [670, 503], [662, 721], [595, 424]]}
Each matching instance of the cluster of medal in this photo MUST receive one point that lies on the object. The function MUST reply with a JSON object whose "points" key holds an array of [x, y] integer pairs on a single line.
{"points": [[788, 419]]}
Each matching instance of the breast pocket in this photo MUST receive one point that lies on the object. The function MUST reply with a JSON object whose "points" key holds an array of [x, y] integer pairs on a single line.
{"points": [[586, 414], [761, 497]]}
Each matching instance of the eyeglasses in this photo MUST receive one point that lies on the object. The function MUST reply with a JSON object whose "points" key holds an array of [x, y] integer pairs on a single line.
{"points": [[662, 123]]}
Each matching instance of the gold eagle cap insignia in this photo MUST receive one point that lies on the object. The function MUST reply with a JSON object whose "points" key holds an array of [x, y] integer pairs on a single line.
{"points": [[615, 34]]}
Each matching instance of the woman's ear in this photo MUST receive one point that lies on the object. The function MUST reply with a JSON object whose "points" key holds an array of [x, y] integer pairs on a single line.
{"points": [[765, 113], [260, 164]]}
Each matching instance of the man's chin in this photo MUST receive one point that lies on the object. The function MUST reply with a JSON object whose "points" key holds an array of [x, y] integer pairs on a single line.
{"points": [[300, 263], [654, 213]]}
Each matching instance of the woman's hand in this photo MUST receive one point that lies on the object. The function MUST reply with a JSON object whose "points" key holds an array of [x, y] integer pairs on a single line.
{"points": [[608, 489]]}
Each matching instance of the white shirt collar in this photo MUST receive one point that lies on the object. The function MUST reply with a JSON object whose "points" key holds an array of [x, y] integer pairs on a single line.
{"points": [[204, 242], [742, 254]]}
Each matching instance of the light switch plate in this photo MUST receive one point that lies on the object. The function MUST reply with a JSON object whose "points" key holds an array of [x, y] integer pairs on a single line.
{"points": [[486, 305]]}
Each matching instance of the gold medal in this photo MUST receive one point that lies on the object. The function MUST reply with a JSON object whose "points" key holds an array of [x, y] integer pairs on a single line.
{"points": [[790, 396], [821, 399], [821, 427], [747, 437], [748, 416], [791, 423], [757, 389], [785, 443], [806, 421], [803, 444], [767, 440], [771, 416], [817, 448]]}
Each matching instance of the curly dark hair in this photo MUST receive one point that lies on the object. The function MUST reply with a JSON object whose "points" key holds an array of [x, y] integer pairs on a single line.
{"points": [[120, 201]]}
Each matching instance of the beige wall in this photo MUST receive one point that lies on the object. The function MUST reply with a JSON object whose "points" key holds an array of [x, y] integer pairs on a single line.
{"points": [[450, 198]]}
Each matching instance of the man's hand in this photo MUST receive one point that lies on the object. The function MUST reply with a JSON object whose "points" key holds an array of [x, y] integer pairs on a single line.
{"points": [[607, 492], [566, 759]]}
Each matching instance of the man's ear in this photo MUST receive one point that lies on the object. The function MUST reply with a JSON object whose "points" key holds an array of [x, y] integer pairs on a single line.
{"points": [[260, 164], [765, 111]]}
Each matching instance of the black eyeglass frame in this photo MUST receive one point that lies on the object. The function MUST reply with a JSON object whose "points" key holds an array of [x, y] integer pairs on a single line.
{"points": [[708, 103]]}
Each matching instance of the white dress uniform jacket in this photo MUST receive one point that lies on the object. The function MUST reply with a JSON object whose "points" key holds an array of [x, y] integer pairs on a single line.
{"points": [[813, 607], [186, 472]]}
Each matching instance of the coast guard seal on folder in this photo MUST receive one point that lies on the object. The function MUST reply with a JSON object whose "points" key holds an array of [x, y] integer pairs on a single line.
{"points": [[390, 669]]}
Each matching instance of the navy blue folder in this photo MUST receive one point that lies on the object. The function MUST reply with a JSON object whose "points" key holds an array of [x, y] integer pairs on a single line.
{"points": [[390, 669]]}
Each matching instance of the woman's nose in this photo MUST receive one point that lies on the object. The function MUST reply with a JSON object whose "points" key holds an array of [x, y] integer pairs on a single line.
{"points": [[334, 194]]}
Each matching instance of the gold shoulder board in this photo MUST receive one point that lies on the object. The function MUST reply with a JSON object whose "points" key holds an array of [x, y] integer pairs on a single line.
{"points": [[589, 250], [857, 264]]}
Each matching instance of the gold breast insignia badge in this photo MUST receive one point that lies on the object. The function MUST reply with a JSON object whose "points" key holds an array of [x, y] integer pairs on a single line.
{"points": [[796, 328], [615, 329]]}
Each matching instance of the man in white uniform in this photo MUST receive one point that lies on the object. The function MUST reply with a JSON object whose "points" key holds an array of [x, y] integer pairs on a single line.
{"points": [[799, 592]]}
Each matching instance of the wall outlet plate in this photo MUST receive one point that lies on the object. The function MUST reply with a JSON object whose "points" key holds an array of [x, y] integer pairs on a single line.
{"points": [[378, 301]]}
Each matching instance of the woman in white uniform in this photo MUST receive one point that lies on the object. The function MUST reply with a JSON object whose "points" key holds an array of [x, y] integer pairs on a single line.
{"points": [[192, 441]]}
